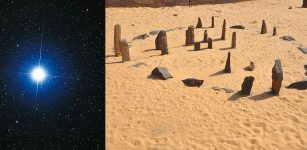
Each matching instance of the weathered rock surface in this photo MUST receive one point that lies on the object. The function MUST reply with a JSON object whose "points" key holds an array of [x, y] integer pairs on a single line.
{"points": [[277, 77], [304, 50], [161, 73], [161, 34], [164, 45]]}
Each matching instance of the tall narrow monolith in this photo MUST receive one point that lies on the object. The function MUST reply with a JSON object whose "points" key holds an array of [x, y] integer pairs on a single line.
{"points": [[161, 34], [210, 44], [223, 37], [117, 38], [277, 77], [227, 66], [124, 49], [234, 40], [263, 27], [205, 36]]}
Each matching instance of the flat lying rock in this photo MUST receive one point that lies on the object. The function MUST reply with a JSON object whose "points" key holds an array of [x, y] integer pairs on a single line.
{"points": [[288, 38], [216, 88], [301, 85], [154, 32], [227, 90], [191, 82], [169, 30], [238, 27], [141, 37], [161, 73], [304, 50], [139, 64]]}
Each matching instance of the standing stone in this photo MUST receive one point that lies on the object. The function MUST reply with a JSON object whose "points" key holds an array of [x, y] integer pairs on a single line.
{"points": [[199, 23], [224, 30], [251, 66], [247, 85], [227, 66], [196, 46], [205, 36], [277, 77], [234, 40], [189, 36], [263, 28], [212, 22], [210, 45], [304, 3], [163, 45], [124, 49], [117, 38], [161, 34], [274, 31]]}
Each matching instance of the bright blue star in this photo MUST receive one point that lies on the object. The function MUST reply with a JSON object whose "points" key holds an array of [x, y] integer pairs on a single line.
{"points": [[38, 74]]}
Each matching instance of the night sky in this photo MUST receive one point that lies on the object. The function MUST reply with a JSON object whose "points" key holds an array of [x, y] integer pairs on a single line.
{"points": [[68, 110]]}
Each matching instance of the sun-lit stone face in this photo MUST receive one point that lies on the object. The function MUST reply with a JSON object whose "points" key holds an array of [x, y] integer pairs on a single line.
{"points": [[38, 74]]}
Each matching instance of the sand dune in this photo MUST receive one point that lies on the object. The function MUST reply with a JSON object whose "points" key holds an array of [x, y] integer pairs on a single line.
{"points": [[142, 113]]}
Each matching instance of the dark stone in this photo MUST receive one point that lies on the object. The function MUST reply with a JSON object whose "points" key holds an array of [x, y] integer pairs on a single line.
{"points": [[124, 49], [117, 38], [205, 36], [290, 7], [251, 66], [163, 45], [141, 37], [238, 27], [288, 38], [274, 31], [234, 40], [196, 46], [301, 85], [212, 22], [227, 66], [189, 36], [247, 85], [304, 4], [193, 82], [223, 37], [304, 50], [263, 28], [210, 44], [161, 34], [277, 77], [199, 23], [175, 15], [305, 66], [161, 73]]}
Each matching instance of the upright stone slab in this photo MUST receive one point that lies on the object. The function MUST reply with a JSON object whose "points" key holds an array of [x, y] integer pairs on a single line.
{"points": [[274, 31], [199, 23], [304, 4], [263, 28], [277, 77], [205, 36], [161, 34], [189, 36], [210, 44], [124, 49], [196, 46], [117, 38], [163, 45], [212, 22], [227, 66], [223, 37], [247, 85], [234, 40]]}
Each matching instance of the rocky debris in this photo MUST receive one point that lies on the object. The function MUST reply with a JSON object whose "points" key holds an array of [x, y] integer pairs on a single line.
{"points": [[117, 38], [227, 90], [288, 38], [247, 85], [141, 37], [263, 28], [277, 77], [161, 73], [223, 37], [163, 45], [251, 66], [161, 34], [304, 50], [301, 85], [274, 31], [189, 36], [199, 23], [196, 46], [234, 40], [212, 22], [205, 36], [124, 49], [192, 82], [227, 66], [238, 27], [154, 32], [210, 43], [139, 64]]}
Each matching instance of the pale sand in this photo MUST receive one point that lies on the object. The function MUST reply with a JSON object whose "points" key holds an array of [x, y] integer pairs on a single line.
{"points": [[148, 114]]}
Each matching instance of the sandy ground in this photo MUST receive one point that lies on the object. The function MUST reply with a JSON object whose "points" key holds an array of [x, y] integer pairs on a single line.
{"points": [[148, 114]]}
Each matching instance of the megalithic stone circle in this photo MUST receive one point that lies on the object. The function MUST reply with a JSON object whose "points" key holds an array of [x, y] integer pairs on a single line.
{"points": [[263, 27], [223, 37], [247, 85], [161, 34], [234, 40], [117, 38], [210, 44], [227, 66], [163, 45], [277, 77], [199, 23], [124, 49]]}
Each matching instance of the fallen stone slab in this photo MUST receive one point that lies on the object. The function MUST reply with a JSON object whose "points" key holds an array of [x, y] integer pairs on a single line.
{"points": [[301, 85], [227, 90], [192, 82], [288, 38], [139, 64], [303, 49], [238, 27], [141, 37], [161, 73]]}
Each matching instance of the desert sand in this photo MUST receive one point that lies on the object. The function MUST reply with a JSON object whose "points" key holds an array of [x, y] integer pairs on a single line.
{"points": [[147, 114]]}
